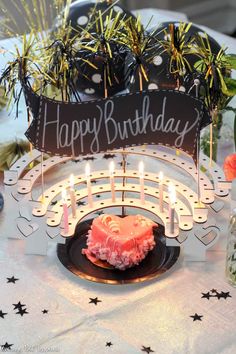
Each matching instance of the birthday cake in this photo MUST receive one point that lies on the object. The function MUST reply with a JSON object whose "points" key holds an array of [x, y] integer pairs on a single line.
{"points": [[121, 242]]}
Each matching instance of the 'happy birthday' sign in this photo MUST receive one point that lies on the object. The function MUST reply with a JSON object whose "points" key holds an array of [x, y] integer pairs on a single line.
{"points": [[153, 117]]}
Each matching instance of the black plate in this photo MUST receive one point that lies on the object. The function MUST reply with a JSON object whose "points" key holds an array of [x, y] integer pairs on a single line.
{"points": [[1, 202], [157, 262]]}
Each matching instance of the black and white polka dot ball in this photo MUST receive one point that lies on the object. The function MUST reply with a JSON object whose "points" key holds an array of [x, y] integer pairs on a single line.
{"points": [[81, 13]]}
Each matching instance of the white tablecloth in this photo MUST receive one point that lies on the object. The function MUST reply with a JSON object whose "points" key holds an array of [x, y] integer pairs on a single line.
{"points": [[153, 315]]}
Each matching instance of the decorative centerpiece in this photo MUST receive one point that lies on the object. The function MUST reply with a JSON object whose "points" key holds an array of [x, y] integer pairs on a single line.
{"points": [[107, 85]]}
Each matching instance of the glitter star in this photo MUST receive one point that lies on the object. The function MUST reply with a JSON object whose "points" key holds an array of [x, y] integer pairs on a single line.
{"points": [[12, 280], [80, 203], [18, 306], [109, 344], [147, 349], [89, 158], [206, 295], [2, 314], [94, 301], [6, 346], [44, 311], [225, 295], [196, 317], [22, 312], [109, 156]]}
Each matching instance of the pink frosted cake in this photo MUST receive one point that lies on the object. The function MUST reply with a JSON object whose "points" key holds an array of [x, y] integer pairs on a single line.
{"points": [[122, 242]]}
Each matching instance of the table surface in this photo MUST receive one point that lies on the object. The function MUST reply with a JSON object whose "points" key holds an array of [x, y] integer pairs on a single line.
{"points": [[153, 315]]}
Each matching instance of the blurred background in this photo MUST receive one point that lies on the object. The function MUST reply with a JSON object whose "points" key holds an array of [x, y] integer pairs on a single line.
{"points": [[219, 15]]}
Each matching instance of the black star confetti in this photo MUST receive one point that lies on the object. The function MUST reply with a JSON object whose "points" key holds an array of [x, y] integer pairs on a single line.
{"points": [[93, 181], [94, 301], [147, 349], [225, 295], [89, 158], [2, 314], [12, 280], [99, 213], [213, 291], [218, 295], [206, 295], [121, 163], [44, 311], [196, 317], [54, 203], [80, 203], [109, 156], [22, 312], [6, 346], [18, 306], [109, 344]]}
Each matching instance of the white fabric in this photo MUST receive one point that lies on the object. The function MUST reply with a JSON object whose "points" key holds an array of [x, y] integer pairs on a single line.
{"points": [[154, 314]]}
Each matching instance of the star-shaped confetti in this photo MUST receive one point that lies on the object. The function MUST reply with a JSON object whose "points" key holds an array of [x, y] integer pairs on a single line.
{"points": [[109, 156], [80, 203], [18, 306], [44, 311], [93, 181], [2, 314], [100, 212], [225, 295], [12, 280], [109, 344], [218, 295], [147, 349], [121, 163], [213, 291], [206, 295], [22, 312], [94, 301], [54, 203], [196, 317], [6, 346], [89, 158]]}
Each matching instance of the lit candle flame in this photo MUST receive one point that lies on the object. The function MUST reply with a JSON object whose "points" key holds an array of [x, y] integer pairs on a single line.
{"points": [[64, 195], [141, 168], [87, 170], [161, 176], [112, 168], [72, 181], [172, 194]]}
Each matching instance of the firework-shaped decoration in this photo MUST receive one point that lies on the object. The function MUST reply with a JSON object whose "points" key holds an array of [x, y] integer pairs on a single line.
{"points": [[24, 65], [219, 86], [60, 69], [83, 14], [178, 45], [11, 152], [3, 98], [103, 66], [216, 69], [144, 47]]}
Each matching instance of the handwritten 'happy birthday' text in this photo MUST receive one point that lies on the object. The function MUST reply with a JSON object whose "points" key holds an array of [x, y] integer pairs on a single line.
{"points": [[104, 127]]}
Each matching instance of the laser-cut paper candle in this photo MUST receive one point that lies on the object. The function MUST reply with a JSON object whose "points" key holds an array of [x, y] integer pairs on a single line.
{"points": [[65, 211], [161, 177], [89, 188], [141, 179], [112, 181], [72, 195], [172, 200]]}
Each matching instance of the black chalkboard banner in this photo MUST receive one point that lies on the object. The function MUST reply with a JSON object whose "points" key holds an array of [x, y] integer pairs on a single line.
{"points": [[163, 117]]}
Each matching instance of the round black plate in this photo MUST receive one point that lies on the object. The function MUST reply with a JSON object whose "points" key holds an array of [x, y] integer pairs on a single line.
{"points": [[157, 262], [1, 201]]}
